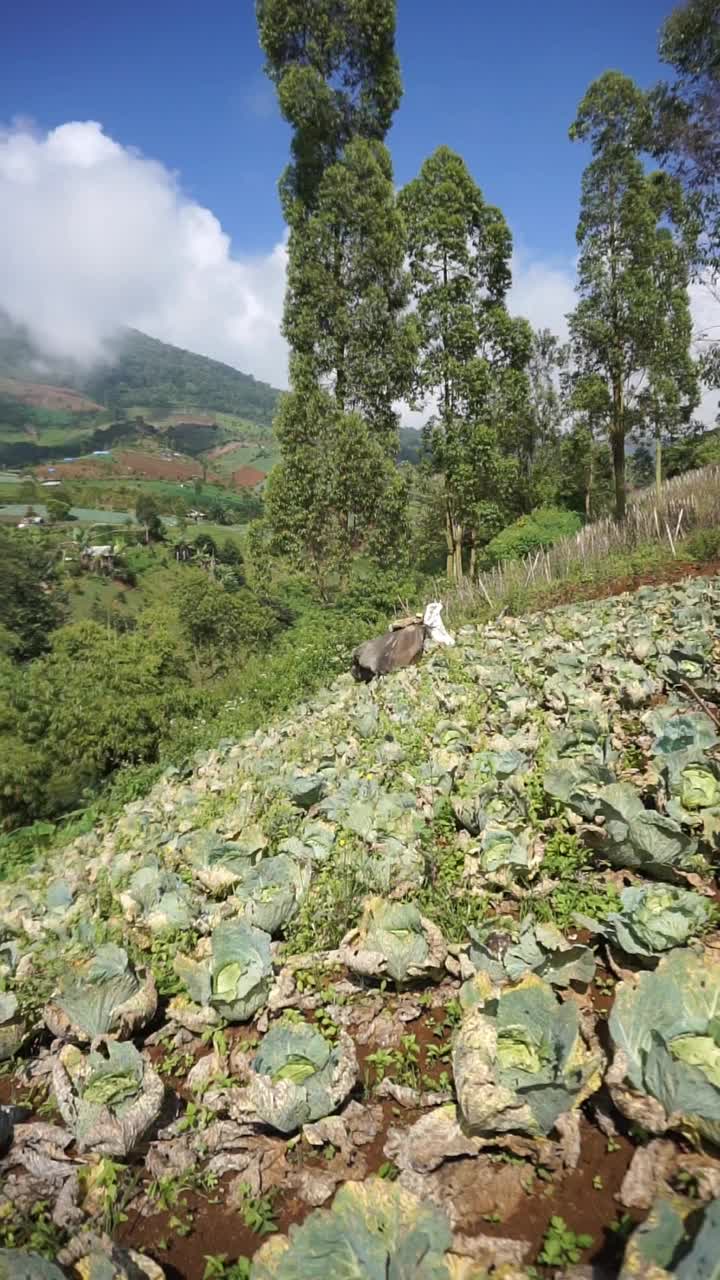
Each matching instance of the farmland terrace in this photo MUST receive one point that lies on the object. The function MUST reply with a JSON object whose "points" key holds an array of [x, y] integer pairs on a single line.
{"points": [[439, 952]]}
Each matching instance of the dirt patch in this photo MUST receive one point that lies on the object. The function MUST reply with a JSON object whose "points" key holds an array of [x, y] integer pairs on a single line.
{"points": [[39, 396], [131, 463], [585, 1199], [153, 466], [573, 592], [247, 477], [199, 1226]]}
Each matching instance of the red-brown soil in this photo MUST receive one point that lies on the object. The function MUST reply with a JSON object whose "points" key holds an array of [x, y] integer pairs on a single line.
{"points": [[39, 396], [133, 463], [573, 593], [247, 477]]}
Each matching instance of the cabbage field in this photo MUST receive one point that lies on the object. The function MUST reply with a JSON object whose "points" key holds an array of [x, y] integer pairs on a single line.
{"points": [[422, 981]]}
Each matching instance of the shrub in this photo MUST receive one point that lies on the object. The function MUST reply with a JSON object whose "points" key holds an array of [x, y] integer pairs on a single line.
{"points": [[530, 533]]}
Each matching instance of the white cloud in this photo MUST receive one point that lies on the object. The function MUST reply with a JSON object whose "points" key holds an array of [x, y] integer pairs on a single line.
{"points": [[94, 235], [541, 291]]}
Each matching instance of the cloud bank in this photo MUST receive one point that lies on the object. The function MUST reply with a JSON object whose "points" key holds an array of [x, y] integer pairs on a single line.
{"points": [[94, 235]]}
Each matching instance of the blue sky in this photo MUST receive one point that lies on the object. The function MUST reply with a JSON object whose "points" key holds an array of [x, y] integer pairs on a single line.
{"points": [[183, 82], [142, 149]]}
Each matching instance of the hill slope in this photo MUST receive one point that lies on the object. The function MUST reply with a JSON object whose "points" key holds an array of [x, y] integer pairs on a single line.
{"points": [[455, 786], [142, 370], [50, 409]]}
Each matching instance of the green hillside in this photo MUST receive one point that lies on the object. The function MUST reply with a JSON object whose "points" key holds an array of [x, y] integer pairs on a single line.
{"points": [[167, 377], [142, 370], [50, 409]]}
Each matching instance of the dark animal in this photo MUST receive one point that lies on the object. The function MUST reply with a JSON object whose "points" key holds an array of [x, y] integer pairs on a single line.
{"points": [[402, 646], [395, 649]]}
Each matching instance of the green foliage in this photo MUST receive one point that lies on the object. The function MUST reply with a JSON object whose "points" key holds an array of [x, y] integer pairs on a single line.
{"points": [[34, 1231], [96, 701], [472, 353], [155, 373], [146, 514], [218, 1267], [30, 602], [685, 126], [579, 891], [257, 1212], [561, 1246], [337, 78], [57, 510], [220, 624], [443, 898], [631, 329], [530, 533], [336, 490]]}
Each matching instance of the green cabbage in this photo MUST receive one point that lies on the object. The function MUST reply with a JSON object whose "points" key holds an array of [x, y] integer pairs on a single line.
{"points": [[520, 1061], [665, 1030], [236, 980], [678, 1238], [393, 938], [102, 997], [297, 1076], [653, 919], [109, 1098], [375, 1230], [15, 1264], [507, 952], [269, 892]]}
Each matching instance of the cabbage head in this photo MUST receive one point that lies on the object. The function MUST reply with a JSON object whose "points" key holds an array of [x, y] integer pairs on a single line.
{"points": [[520, 1061], [102, 997], [665, 1030], [394, 940], [109, 1098], [236, 979], [374, 1230], [678, 1238], [269, 893], [15, 1264], [507, 953], [298, 1076], [158, 899], [693, 780], [675, 733], [653, 918], [636, 837], [12, 1027]]}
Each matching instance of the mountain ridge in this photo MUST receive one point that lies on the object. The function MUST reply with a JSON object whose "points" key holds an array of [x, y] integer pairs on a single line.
{"points": [[141, 370]]}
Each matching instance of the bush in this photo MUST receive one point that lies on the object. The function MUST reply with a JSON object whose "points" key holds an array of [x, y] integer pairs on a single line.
{"points": [[531, 533], [703, 545]]}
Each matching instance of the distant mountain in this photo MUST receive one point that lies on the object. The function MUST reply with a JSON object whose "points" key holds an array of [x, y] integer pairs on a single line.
{"points": [[142, 371]]}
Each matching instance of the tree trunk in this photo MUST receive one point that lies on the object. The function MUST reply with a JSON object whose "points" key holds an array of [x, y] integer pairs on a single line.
{"points": [[450, 562], [473, 559], [617, 445], [458, 531], [658, 463]]}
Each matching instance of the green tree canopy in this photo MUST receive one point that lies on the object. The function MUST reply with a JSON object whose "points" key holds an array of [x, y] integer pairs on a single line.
{"points": [[31, 606], [337, 76], [472, 352], [625, 324]]}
